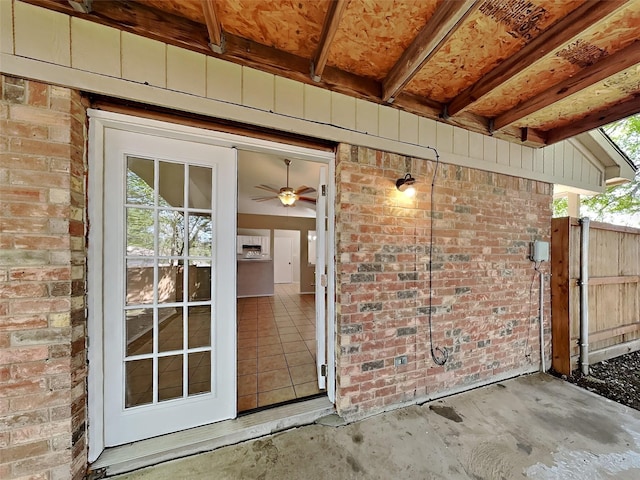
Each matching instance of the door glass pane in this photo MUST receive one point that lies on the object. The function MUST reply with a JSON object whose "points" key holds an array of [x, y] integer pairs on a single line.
{"points": [[171, 184], [139, 331], [200, 187], [140, 183], [168, 226], [169, 377], [199, 372], [199, 326], [139, 281], [200, 231], [170, 330], [170, 281], [139, 382], [170, 233], [140, 231], [199, 280]]}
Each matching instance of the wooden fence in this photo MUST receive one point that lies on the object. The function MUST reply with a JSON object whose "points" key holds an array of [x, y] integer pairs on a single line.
{"points": [[613, 291]]}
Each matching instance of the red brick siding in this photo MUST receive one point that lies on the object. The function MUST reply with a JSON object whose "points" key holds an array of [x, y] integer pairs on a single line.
{"points": [[482, 312], [42, 278]]}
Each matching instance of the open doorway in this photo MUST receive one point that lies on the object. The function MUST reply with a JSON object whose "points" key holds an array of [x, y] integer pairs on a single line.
{"points": [[166, 315], [277, 325]]}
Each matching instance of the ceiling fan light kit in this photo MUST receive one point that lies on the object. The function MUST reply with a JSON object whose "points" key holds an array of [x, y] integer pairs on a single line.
{"points": [[287, 195]]}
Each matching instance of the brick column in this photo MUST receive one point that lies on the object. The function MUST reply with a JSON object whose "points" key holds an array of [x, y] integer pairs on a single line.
{"points": [[42, 275]]}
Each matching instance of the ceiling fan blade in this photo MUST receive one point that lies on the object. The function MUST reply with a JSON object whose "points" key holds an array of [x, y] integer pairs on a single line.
{"points": [[267, 188], [307, 199], [302, 190], [263, 199]]}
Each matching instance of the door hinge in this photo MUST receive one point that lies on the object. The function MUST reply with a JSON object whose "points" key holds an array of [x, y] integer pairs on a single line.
{"points": [[323, 280], [323, 370], [324, 190]]}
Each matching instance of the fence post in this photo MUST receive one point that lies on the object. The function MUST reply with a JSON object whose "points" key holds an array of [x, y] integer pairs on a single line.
{"points": [[584, 295]]}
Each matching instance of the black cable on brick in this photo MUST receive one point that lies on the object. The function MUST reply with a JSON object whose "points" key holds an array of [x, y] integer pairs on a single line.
{"points": [[440, 355]]}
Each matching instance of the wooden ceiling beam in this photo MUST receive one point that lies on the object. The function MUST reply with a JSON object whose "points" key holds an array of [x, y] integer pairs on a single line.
{"points": [[442, 24], [329, 29], [82, 6], [596, 119], [562, 32], [216, 35], [532, 137], [610, 65]]}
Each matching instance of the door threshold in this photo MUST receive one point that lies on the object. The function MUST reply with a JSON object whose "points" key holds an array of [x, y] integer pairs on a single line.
{"points": [[133, 456]]}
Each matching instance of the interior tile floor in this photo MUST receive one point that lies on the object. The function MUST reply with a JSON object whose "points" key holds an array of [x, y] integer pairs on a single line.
{"points": [[276, 351], [276, 348]]}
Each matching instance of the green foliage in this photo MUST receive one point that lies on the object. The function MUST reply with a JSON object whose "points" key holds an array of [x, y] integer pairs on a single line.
{"points": [[621, 199], [171, 224], [560, 207]]}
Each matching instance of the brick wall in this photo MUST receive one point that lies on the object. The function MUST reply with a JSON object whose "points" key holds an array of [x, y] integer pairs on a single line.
{"points": [[42, 278], [484, 304]]}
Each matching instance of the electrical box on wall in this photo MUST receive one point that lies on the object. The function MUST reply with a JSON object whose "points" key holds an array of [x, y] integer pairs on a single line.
{"points": [[539, 251]]}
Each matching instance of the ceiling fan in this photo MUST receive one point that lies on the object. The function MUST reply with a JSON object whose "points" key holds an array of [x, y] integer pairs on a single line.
{"points": [[287, 195]]}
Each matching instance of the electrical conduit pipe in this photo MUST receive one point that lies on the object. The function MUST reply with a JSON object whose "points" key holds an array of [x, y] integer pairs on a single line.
{"points": [[542, 363], [584, 295]]}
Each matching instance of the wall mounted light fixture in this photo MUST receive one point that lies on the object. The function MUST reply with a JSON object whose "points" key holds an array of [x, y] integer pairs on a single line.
{"points": [[405, 185]]}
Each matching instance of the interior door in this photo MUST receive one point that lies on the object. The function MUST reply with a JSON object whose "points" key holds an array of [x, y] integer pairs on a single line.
{"points": [[282, 260], [321, 278], [169, 285]]}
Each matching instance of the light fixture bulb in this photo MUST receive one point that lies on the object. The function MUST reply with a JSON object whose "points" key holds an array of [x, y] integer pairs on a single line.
{"points": [[405, 185], [410, 191], [287, 196]]}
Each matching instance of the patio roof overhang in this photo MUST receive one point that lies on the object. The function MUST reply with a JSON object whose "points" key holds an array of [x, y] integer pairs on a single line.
{"points": [[529, 71]]}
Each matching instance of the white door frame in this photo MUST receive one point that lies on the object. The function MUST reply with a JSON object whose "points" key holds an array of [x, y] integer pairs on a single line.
{"points": [[99, 121]]}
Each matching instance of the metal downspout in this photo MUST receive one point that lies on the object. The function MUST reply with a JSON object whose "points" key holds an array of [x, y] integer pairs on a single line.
{"points": [[584, 296]]}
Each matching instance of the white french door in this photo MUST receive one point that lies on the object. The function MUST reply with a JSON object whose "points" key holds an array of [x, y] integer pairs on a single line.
{"points": [[168, 285]]}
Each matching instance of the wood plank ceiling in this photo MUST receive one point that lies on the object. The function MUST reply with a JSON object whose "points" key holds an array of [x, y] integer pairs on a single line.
{"points": [[530, 71]]}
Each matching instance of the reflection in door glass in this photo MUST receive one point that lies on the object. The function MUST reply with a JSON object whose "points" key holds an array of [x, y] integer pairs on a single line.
{"points": [[199, 326], [140, 181], [163, 237], [170, 233], [171, 184], [200, 187], [140, 281], [200, 231], [139, 331], [199, 372], [169, 377], [139, 378], [140, 230], [199, 280], [170, 329], [170, 280]]}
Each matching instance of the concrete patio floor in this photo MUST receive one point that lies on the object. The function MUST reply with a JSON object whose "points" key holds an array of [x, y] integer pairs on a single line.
{"points": [[534, 426]]}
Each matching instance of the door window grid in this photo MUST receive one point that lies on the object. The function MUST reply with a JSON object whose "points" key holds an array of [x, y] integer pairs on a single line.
{"points": [[188, 365]]}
